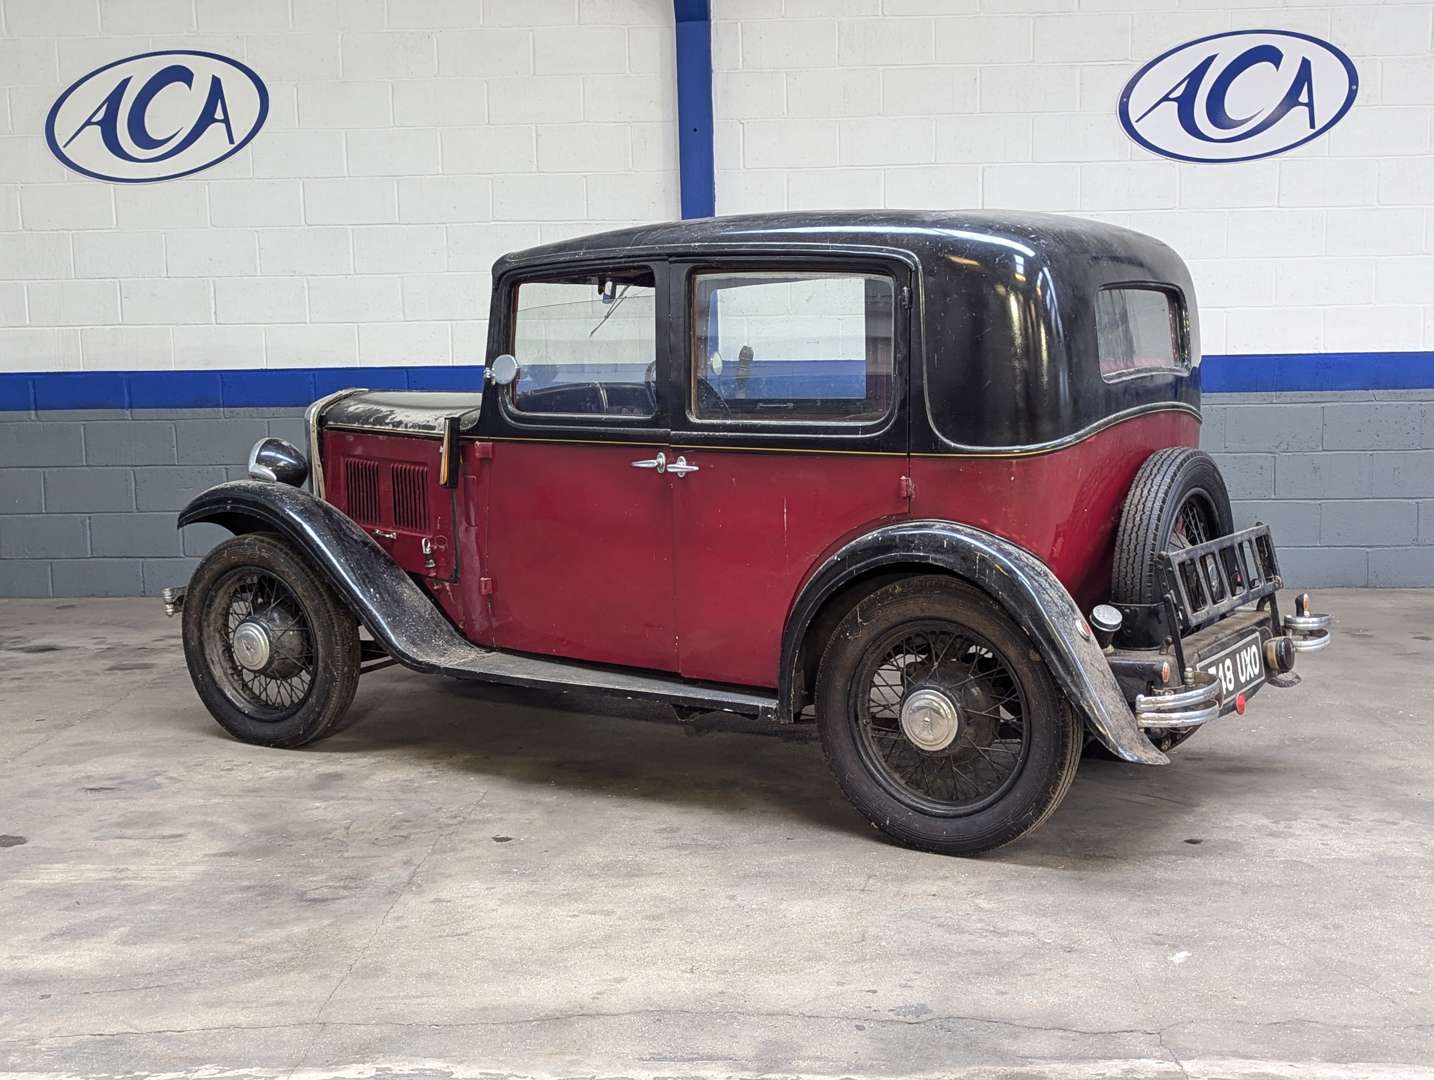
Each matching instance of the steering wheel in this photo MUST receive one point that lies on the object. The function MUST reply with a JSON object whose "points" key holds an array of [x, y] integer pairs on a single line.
{"points": [[601, 391], [649, 383]]}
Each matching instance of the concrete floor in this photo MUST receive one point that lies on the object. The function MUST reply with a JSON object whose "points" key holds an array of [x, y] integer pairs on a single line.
{"points": [[464, 883]]}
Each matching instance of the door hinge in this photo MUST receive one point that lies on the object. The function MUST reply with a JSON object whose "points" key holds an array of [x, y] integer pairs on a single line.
{"points": [[906, 297], [483, 451], [908, 487], [485, 586]]}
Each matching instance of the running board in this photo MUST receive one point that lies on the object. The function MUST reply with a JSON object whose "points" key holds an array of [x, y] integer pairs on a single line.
{"points": [[538, 672]]}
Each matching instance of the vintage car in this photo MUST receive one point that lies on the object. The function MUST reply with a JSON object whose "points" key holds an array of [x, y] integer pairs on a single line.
{"points": [[929, 481]]}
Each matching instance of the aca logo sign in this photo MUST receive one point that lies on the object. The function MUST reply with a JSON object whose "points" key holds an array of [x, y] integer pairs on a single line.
{"points": [[1238, 96], [157, 116]]}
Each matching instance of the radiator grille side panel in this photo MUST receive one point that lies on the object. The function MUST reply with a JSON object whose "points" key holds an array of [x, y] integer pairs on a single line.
{"points": [[410, 496], [388, 485], [361, 490]]}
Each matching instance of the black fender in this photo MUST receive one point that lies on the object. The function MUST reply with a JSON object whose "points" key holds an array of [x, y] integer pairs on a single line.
{"points": [[1015, 579], [401, 617]]}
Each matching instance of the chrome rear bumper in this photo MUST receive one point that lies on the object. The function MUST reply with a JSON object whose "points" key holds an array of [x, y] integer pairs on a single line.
{"points": [[1195, 703], [173, 599], [1308, 631], [1201, 698]]}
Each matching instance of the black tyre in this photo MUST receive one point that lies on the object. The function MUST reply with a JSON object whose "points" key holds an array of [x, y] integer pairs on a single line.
{"points": [[272, 651], [1177, 499], [940, 721]]}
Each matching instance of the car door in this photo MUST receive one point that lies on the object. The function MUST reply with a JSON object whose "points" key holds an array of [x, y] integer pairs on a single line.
{"points": [[790, 436], [578, 518]]}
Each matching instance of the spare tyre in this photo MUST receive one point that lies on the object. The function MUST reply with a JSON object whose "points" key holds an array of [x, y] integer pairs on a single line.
{"points": [[1178, 499]]}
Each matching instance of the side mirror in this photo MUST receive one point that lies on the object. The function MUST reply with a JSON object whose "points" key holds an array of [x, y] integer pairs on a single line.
{"points": [[503, 370]]}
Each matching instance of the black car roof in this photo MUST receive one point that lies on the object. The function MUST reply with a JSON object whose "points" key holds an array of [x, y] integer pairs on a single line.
{"points": [[1007, 344], [924, 233]]}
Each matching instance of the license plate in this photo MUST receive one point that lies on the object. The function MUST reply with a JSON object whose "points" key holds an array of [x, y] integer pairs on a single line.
{"points": [[1240, 667]]}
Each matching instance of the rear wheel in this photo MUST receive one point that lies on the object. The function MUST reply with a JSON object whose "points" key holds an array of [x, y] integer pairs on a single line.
{"points": [[271, 650], [940, 721], [1177, 500]]}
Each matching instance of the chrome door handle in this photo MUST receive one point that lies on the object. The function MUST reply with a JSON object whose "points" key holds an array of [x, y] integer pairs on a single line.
{"points": [[659, 463], [680, 467]]}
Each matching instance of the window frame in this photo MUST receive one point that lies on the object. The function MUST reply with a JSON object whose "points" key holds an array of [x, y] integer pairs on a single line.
{"points": [[685, 300], [1179, 318], [506, 302]]}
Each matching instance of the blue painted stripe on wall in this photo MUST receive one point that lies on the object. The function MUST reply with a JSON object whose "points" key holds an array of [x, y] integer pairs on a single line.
{"points": [[1287, 373], [234, 389], [697, 180], [291, 387]]}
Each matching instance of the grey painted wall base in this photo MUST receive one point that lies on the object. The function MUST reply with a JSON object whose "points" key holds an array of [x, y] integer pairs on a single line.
{"points": [[1345, 480], [87, 499]]}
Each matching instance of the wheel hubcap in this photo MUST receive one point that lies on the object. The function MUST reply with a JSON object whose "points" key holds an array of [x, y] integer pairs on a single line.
{"points": [[930, 719], [250, 642]]}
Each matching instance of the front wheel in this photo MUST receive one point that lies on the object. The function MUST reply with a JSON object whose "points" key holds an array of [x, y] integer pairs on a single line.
{"points": [[273, 653], [940, 721]]}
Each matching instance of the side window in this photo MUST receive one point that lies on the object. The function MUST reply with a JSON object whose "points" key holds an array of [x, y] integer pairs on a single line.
{"points": [[802, 346], [1138, 331], [586, 346]]}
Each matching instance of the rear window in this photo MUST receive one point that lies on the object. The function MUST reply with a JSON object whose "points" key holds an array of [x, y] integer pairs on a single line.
{"points": [[1138, 331]]}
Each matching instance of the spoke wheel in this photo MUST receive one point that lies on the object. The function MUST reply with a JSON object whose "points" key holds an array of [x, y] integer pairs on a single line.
{"points": [[1195, 521], [263, 641], [939, 719], [272, 651], [943, 720]]}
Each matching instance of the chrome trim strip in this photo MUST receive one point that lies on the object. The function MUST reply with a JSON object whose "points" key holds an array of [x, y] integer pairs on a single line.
{"points": [[312, 416], [678, 443], [966, 450], [395, 432], [254, 470]]}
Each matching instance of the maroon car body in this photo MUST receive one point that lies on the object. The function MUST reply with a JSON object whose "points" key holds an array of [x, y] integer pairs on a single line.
{"points": [[706, 451]]}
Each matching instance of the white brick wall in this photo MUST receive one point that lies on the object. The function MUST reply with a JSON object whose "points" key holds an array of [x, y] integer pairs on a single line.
{"points": [[409, 144], [1012, 104]]}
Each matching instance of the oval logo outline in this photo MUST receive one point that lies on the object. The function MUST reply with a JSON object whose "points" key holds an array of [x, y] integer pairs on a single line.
{"points": [[1328, 48], [261, 92]]}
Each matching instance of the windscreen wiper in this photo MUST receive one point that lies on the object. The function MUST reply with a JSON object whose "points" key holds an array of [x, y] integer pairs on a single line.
{"points": [[608, 314]]}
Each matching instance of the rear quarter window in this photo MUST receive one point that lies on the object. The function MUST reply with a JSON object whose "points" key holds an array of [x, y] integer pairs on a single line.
{"points": [[1139, 331]]}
